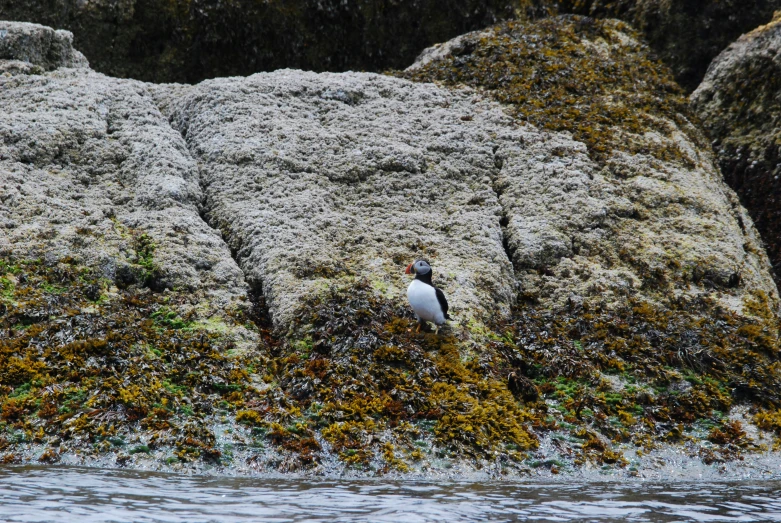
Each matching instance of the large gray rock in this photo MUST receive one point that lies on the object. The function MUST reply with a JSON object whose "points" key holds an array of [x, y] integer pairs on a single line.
{"points": [[639, 209], [322, 178], [88, 166], [317, 180], [739, 102]]}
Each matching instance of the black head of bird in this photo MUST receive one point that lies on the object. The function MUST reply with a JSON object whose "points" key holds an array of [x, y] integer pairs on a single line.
{"points": [[421, 269]]}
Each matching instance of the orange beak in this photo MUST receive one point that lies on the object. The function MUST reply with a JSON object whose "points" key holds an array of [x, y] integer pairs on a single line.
{"points": [[409, 269]]}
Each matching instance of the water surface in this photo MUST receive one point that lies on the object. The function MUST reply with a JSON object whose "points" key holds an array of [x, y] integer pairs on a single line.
{"points": [[89, 495]]}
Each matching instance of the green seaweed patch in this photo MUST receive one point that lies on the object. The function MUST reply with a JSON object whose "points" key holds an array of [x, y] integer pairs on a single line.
{"points": [[167, 318]]}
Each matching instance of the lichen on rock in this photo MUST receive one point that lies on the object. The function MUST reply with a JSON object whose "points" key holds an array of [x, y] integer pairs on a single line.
{"points": [[317, 179], [582, 221]]}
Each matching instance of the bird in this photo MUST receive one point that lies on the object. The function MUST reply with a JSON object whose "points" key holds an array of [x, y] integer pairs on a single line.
{"points": [[428, 302]]}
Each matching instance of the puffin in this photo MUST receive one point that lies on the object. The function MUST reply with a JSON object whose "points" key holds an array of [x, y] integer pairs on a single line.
{"points": [[428, 302]]}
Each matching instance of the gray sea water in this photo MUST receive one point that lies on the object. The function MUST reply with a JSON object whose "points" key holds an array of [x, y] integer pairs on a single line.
{"points": [[45, 494]]}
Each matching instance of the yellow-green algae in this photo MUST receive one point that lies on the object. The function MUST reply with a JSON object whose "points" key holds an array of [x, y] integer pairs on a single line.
{"points": [[593, 78], [82, 369], [356, 381], [375, 389], [364, 380]]}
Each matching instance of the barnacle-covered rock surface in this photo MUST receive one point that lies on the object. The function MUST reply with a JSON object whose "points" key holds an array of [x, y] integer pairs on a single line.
{"points": [[212, 275]]}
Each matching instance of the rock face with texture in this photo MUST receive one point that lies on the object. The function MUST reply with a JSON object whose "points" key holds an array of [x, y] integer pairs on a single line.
{"points": [[89, 165], [115, 297], [640, 199], [214, 274], [320, 178], [572, 212], [739, 102]]}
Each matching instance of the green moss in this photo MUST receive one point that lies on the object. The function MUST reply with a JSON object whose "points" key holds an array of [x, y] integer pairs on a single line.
{"points": [[213, 324], [168, 318], [7, 288], [145, 248]]}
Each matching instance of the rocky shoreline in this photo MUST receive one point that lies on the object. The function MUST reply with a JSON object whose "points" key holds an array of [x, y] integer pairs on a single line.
{"points": [[209, 278]]}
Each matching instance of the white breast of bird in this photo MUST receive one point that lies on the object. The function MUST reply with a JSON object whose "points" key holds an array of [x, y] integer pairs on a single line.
{"points": [[423, 299]]}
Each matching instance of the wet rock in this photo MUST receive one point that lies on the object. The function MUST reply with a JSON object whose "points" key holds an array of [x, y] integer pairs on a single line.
{"points": [[522, 387], [738, 102]]}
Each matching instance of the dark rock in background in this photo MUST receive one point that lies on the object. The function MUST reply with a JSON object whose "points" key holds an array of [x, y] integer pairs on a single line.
{"points": [[188, 41], [739, 102], [686, 35]]}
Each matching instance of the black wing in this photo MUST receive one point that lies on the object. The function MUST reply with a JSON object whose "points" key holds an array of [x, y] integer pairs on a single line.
{"points": [[442, 302]]}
